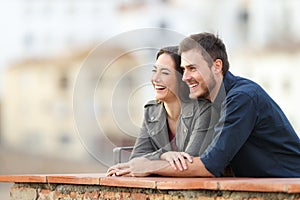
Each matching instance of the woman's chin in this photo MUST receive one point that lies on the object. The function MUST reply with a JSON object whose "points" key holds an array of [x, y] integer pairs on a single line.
{"points": [[159, 98]]}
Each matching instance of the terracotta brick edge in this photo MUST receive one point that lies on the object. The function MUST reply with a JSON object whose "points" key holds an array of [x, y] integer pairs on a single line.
{"points": [[285, 185]]}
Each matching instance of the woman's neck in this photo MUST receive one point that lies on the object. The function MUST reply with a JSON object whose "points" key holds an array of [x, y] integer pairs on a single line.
{"points": [[173, 109]]}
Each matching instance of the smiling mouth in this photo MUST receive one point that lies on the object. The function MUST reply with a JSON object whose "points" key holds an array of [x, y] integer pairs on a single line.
{"points": [[191, 86], [159, 87]]}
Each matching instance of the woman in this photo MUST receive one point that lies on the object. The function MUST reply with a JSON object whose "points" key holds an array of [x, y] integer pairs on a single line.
{"points": [[174, 127]]}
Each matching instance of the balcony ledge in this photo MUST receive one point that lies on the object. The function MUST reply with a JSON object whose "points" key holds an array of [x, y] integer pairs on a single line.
{"points": [[284, 185]]}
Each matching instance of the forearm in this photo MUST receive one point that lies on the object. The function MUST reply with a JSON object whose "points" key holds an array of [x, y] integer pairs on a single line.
{"points": [[195, 169]]}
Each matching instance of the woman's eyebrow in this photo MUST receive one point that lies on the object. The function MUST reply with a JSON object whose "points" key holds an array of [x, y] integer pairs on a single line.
{"points": [[164, 68], [161, 67]]}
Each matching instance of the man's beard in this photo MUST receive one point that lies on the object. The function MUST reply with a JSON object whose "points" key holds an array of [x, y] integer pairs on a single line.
{"points": [[209, 87]]}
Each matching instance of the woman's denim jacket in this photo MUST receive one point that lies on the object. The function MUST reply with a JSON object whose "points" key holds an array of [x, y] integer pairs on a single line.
{"points": [[193, 134]]}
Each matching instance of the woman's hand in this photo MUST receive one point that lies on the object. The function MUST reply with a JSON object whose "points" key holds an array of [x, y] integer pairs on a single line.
{"points": [[112, 170], [136, 167], [177, 159]]}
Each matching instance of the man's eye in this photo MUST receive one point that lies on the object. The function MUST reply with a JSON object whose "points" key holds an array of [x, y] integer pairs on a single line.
{"points": [[153, 70]]}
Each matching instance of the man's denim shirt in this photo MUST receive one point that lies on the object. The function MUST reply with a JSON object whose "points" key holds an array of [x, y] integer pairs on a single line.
{"points": [[253, 135]]}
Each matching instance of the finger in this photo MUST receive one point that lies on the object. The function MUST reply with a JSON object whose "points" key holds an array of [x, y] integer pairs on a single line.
{"points": [[127, 175], [110, 173], [187, 156], [178, 164], [182, 162], [110, 170], [172, 164], [123, 172]]}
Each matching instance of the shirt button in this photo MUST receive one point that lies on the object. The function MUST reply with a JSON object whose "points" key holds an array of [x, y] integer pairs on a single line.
{"points": [[152, 118], [185, 130]]}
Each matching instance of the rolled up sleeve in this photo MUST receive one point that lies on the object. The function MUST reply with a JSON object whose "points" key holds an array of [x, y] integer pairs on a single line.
{"points": [[237, 121]]}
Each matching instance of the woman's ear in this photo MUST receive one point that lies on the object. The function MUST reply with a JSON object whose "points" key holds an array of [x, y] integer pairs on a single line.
{"points": [[218, 66]]}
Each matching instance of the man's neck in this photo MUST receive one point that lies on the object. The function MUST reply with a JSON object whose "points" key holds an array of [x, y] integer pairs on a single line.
{"points": [[214, 92]]}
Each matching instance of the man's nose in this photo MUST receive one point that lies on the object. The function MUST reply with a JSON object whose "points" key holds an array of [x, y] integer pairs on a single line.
{"points": [[185, 76]]}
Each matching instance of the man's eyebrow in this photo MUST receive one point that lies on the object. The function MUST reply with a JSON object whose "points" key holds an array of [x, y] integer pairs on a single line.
{"points": [[189, 65]]}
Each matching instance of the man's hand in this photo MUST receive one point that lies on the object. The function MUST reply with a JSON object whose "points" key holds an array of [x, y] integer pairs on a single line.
{"points": [[136, 167], [144, 167], [177, 159]]}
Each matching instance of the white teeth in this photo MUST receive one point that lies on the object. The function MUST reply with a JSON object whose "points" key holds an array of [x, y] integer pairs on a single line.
{"points": [[193, 85], [159, 87]]}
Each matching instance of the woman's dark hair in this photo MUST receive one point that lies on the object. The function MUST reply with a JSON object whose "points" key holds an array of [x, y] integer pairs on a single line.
{"points": [[183, 90], [211, 46]]}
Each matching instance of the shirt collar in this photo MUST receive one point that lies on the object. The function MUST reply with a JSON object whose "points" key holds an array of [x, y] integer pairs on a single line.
{"points": [[156, 111]]}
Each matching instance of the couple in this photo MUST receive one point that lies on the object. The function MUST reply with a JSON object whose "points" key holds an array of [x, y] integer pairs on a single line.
{"points": [[252, 135]]}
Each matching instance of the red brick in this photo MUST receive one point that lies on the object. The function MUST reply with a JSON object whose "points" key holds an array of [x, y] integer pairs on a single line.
{"points": [[222, 198], [83, 179], [135, 182], [23, 178], [138, 196], [73, 195], [45, 194], [109, 195], [125, 195], [156, 196], [58, 195], [205, 198], [252, 184], [92, 195], [187, 183]]}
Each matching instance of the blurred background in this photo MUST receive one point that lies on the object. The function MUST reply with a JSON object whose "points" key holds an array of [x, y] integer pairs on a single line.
{"points": [[45, 43]]}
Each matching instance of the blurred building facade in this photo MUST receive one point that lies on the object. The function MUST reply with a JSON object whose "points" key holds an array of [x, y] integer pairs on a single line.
{"points": [[38, 103], [48, 27]]}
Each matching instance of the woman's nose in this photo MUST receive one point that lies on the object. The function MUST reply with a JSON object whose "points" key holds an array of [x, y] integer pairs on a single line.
{"points": [[155, 77]]}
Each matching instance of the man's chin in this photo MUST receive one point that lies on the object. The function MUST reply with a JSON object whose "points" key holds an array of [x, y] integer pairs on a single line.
{"points": [[196, 95], [193, 96]]}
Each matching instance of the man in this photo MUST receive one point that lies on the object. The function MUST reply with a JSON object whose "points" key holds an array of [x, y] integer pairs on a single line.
{"points": [[253, 135]]}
